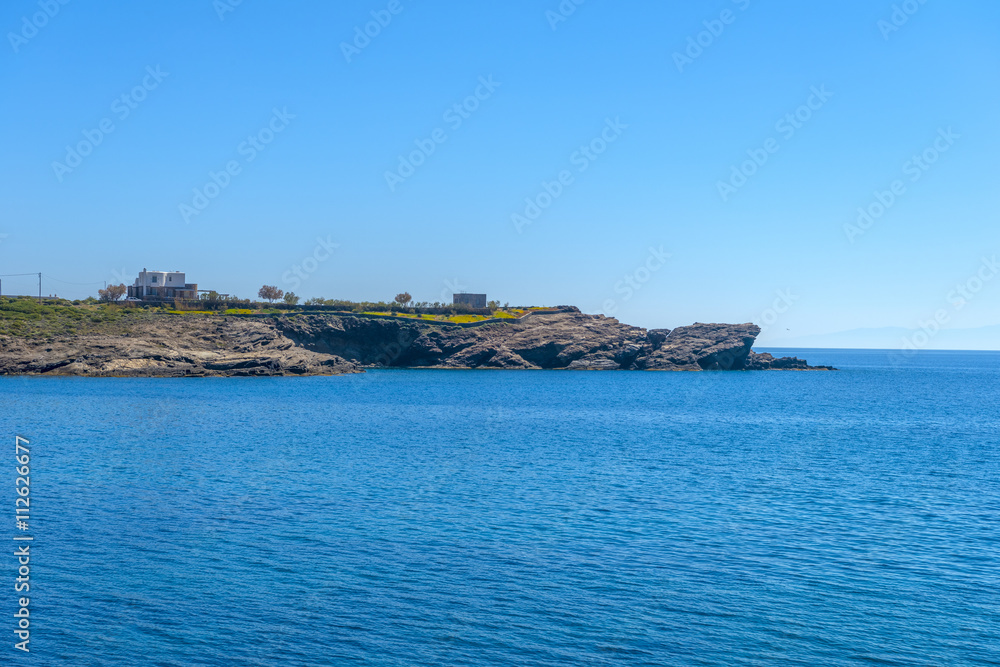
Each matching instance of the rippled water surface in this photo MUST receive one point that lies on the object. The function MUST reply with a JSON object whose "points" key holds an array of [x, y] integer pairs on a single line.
{"points": [[516, 518]]}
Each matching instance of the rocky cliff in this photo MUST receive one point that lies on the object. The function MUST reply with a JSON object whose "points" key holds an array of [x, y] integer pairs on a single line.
{"points": [[560, 340], [169, 346], [307, 344]]}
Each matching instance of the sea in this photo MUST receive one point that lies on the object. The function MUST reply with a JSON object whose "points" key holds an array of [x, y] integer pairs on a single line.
{"points": [[422, 517]]}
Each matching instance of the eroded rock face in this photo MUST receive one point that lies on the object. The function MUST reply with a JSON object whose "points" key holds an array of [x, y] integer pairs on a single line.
{"points": [[703, 347], [564, 340], [171, 346], [558, 340]]}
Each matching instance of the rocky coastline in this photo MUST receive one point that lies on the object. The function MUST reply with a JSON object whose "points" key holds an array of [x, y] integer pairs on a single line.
{"points": [[168, 345]]}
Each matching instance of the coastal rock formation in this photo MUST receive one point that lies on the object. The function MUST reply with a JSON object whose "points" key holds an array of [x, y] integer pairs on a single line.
{"points": [[164, 345], [567, 339], [169, 346], [765, 362], [702, 347]]}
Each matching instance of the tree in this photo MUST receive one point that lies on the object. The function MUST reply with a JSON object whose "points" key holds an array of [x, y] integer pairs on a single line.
{"points": [[112, 293], [270, 292], [493, 305], [403, 298], [291, 299]]}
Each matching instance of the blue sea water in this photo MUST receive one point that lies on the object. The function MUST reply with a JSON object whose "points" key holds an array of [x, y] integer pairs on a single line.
{"points": [[515, 518]]}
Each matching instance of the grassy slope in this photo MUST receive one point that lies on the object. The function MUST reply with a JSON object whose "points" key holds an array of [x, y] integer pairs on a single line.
{"points": [[25, 317]]}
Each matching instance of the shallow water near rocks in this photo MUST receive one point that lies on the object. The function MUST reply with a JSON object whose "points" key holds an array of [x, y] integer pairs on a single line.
{"points": [[516, 517]]}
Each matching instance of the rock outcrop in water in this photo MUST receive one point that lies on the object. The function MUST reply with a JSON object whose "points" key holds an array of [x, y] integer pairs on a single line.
{"points": [[766, 362], [321, 344]]}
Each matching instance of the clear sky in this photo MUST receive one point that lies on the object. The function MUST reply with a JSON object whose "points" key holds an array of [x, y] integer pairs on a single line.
{"points": [[627, 124]]}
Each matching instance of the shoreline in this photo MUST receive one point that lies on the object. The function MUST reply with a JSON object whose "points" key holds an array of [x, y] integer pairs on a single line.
{"points": [[151, 344]]}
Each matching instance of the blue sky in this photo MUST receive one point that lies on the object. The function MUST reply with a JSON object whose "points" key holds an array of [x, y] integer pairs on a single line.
{"points": [[642, 136]]}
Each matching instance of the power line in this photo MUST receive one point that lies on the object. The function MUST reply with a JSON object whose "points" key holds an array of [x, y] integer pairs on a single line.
{"points": [[39, 274], [48, 277]]}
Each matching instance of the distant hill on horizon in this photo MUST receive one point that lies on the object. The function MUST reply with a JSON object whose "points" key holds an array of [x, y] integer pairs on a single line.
{"points": [[893, 338]]}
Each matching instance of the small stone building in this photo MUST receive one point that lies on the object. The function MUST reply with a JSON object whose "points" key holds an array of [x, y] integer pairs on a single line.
{"points": [[473, 300]]}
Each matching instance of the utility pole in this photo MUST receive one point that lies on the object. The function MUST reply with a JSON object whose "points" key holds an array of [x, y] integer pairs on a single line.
{"points": [[39, 287]]}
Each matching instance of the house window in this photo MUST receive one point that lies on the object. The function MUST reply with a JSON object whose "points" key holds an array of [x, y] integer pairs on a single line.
{"points": [[154, 279], [170, 279]]}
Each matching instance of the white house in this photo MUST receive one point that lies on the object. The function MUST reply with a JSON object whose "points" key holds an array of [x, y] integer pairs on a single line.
{"points": [[162, 285]]}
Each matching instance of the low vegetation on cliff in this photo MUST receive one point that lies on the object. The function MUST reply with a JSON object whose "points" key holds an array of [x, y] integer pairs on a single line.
{"points": [[27, 317]]}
